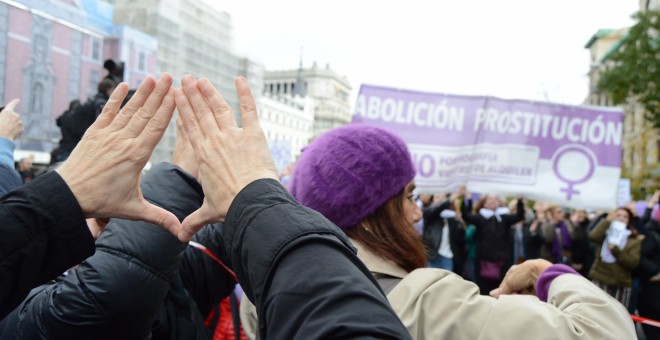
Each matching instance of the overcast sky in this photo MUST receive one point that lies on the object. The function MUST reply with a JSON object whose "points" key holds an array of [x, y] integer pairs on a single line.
{"points": [[506, 48]]}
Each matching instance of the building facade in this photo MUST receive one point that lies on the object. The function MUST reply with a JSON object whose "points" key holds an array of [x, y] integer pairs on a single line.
{"points": [[52, 53], [641, 142], [329, 91], [288, 123], [193, 38]]}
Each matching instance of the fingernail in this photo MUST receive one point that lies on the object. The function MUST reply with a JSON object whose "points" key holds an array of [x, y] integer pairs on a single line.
{"points": [[187, 79]]}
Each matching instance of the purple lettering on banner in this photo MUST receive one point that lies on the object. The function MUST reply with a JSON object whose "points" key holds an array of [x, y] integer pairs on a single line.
{"points": [[529, 141]]}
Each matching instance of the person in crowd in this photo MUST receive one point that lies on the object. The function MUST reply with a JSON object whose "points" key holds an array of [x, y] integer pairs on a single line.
{"points": [[423, 201], [68, 141], [11, 127], [558, 237], [25, 168], [371, 200], [649, 271], [493, 237], [617, 254], [44, 230], [527, 238], [444, 234], [142, 281], [74, 122], [470, 266], [581, 252], [653, 201], [115, 71], [637, 221]]}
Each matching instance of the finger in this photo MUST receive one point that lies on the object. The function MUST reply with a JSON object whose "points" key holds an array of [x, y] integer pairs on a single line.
{"points": [[157, 124], [193, 223], [248, 106], [222, 112], [495, 292], [200, 106], [135, 103], [11, 106], [157, 215], [188, 118], [181, 131], [153, 104], [111, 107]]}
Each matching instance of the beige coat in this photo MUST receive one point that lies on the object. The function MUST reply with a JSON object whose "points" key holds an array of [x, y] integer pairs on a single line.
{"points": [[438, 304]]}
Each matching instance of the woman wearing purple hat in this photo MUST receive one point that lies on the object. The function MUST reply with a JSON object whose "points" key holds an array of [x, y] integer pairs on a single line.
{"points": [[362, 179]]}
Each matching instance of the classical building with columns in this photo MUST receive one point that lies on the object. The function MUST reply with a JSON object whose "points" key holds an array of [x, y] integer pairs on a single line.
{"points": [[328, 90]]}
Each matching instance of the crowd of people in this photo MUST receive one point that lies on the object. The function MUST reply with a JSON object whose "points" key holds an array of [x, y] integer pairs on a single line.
{"points": [[617, 250], [346, 250]]}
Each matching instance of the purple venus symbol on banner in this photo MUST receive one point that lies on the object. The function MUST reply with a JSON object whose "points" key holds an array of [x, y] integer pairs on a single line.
{"points": [[573, 155]]}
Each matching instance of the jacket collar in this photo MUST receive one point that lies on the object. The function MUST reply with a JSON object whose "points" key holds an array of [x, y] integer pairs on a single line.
{"points": [[377, 264]]}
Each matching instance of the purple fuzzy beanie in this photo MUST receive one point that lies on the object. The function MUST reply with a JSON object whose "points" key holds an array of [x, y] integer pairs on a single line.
{"points": [[349, 172]]}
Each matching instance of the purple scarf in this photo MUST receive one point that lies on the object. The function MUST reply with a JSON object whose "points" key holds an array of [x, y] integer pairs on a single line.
{"points": [[565, 238]]}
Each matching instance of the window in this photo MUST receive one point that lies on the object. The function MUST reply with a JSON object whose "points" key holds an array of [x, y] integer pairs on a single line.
{"points": [[96, 49], [141, 61], [93, 83]]}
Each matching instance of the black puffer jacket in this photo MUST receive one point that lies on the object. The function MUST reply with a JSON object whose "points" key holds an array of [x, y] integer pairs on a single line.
{"points": [[141, 282]]}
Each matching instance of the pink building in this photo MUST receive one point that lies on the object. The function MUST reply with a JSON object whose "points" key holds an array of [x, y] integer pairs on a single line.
{"points": [[54, 52]]}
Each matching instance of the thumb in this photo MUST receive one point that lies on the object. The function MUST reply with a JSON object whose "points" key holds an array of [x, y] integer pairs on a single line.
{"points": [[12, 104], [157, 215], [193, 223], [496, 292]]}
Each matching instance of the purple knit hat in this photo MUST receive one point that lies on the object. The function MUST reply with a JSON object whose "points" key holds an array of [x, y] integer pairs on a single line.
{"points": [[349, 172]]}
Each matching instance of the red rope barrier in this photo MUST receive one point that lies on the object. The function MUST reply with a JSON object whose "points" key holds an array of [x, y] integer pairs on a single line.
{"points": [[645, 321], [209, 253]]}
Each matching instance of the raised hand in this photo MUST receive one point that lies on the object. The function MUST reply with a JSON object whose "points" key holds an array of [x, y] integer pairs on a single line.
{"points": [[654, 199], [11, 125], [229, 157], [103, 171]]}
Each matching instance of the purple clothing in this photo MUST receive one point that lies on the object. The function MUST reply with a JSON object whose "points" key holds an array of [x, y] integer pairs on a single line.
{"points": [[565, 240], [546, 278]]}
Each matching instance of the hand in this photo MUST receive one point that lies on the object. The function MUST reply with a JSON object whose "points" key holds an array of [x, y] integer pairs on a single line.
{"points": [[611, 246], [229, 157], [611, 216], [535, 224], [655, 278], [103, 171], [439, 198], [521, 279], [184, 156], [11, 125], [654, 199]]}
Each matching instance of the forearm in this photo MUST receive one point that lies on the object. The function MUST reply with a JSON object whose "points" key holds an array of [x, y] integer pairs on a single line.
{"points": [[45, 234], [628, 258], [7, 152], [598, 233], [285, 254]]}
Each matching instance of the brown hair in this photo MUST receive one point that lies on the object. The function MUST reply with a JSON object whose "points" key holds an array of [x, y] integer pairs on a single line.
{"points": [[630, 221], [386, 233]]}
